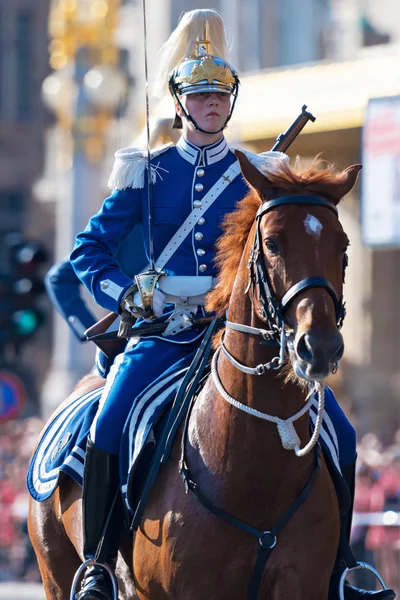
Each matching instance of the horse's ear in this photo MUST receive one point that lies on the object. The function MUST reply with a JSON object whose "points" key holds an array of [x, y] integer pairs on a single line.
{"points": [[348, 180], [252, 175]]}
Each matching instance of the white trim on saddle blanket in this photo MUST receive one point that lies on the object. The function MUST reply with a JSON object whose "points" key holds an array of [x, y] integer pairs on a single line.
{"points": [[62, 447], [63, 444]]}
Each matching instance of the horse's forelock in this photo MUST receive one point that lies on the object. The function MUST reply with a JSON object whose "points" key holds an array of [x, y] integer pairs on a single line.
{"points": [[320, 178]]}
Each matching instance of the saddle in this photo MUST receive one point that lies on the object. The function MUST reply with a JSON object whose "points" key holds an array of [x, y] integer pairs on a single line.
{"points": [[62, 447]]}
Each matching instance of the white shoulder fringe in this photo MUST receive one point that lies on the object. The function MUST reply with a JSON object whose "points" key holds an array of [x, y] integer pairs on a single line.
{"points": [[266, 162], [130, 165]]}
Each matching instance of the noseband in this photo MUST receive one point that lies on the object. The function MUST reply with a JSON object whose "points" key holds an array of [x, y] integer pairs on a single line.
{"points": [[273, 312]]}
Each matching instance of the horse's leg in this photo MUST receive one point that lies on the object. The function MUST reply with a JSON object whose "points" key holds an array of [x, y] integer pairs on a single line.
{"points": [[56, 555]]}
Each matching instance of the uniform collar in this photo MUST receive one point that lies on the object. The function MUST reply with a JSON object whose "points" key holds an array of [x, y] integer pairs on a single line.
{"points": [[208, 154]]}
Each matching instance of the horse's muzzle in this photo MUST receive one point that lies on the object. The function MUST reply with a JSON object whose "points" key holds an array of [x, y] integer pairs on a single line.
{"points": [[318, 352]]}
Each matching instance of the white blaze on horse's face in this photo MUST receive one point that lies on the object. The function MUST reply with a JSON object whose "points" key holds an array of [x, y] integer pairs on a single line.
{"points": [[313, 226]]}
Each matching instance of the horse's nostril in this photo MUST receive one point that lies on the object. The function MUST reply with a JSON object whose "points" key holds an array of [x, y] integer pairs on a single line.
{"points": [[304, 349], [319, 350]]}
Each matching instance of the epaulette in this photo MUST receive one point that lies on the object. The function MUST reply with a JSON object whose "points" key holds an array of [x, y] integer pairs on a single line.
{"points": [[130, 165], [265, 162]]}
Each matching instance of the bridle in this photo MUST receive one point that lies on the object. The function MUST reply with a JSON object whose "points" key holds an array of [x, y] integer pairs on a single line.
{"points": [[272, 311], [273, 314]]}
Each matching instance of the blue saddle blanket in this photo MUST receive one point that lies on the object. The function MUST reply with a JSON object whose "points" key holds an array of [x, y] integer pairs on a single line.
{"points": [[62, 446], [63, 443]]}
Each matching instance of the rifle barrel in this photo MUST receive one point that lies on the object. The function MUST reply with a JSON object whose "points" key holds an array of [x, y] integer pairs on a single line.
{"points": [[284, 140]]}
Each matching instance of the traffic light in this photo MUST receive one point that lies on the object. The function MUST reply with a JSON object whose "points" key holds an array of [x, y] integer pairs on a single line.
{"points": [[26, 259], [5, 307], [21, 286]]}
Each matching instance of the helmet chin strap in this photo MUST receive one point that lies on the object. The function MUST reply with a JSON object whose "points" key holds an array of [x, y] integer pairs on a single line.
{"points": [[189, 117]]}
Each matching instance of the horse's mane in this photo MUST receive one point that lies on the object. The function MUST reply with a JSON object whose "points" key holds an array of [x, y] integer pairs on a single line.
{"points": [[320, 179]]}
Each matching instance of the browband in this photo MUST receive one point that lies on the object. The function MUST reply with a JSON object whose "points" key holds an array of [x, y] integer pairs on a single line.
{"points": [[295, 199]]}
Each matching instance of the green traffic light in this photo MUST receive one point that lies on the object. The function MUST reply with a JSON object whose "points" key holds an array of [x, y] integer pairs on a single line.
{"points": [[25, 322]]}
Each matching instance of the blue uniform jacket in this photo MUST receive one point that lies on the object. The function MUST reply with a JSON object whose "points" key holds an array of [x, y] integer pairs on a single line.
{"points": [[63, 285], [183, 174]]}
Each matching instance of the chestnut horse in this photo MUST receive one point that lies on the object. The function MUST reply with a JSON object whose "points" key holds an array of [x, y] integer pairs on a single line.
{"points": [[281, 262]]}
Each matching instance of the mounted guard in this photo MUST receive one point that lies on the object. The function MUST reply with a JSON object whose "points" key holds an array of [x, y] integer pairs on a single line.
{"points": [[183, 193]]}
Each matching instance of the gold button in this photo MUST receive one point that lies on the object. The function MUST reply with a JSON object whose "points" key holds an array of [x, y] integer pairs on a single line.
{"points": [[197, 203], [198, 236], [202, 268], [199, 187], [201, 252], [200, 172]]}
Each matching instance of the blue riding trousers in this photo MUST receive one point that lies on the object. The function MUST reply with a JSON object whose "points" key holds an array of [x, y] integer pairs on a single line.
{"points": [[133, 370], [142, 363]]}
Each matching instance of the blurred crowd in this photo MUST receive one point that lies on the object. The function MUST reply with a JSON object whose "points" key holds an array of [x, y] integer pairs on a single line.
{"points": [[377, 491], [17, 559]]}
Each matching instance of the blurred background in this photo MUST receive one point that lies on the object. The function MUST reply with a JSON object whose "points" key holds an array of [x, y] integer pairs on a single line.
{"points": [[72, 92]]}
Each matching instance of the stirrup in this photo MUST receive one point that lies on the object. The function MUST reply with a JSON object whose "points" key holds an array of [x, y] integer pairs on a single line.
{"points": [[89, 563], [360, 565]]}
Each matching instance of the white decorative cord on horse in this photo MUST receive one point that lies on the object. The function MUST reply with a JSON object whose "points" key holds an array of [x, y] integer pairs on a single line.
{"points": [[290, 439]]}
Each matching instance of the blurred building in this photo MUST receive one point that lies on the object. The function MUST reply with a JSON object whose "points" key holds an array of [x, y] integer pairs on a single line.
{"points": [[23, 119], [86, 92]]}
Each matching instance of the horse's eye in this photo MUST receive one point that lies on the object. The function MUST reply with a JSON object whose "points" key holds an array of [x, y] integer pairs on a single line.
{"points": [[271, 246]]}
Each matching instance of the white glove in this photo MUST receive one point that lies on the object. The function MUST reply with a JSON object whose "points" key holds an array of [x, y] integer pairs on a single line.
{"points": [[158, 302]]}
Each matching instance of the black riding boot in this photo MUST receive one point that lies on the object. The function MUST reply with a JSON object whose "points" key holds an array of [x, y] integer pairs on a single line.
{"points": [[351, 592], [100, 486]]}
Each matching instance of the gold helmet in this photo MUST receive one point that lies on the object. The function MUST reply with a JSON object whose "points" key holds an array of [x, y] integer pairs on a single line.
{"points": [[203, 72]]}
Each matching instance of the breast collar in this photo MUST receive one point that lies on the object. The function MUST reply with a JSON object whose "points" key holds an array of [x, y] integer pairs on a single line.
{"points": [[207, 155]]}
